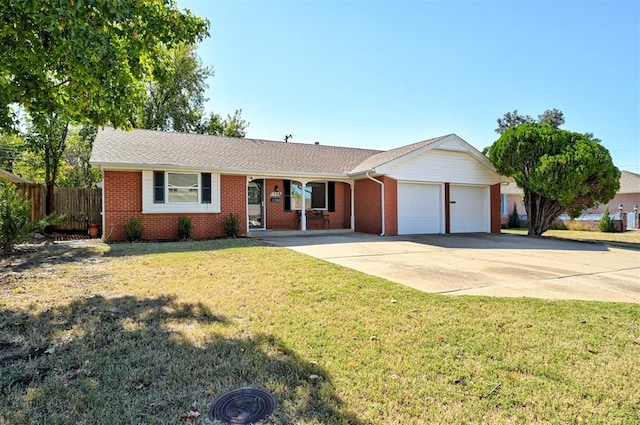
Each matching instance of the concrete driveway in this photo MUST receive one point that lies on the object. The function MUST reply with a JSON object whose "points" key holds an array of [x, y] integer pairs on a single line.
{"points": [[483, 264]]}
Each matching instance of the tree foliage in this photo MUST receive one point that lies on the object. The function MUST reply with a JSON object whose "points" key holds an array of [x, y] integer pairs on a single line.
{"points": [[85, 59], [233, 126], [558, 171], [46, 140], [15, 217], [10, 149], [75, 170], [552, 117], [175, 97]]}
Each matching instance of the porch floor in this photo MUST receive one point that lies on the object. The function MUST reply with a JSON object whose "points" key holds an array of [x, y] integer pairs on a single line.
{"points": [[263, 233]]}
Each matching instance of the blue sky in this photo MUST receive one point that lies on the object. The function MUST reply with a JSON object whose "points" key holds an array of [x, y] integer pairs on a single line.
{"points": [[382, 74]]}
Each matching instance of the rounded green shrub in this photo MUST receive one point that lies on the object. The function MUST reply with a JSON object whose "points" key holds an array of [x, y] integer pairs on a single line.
{"points": [[184, 228], [606, 223], [134, 229]]}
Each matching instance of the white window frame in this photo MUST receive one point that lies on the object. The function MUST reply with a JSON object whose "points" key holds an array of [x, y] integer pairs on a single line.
{"points": [[148, 189], [307, 186], [169, 189]]}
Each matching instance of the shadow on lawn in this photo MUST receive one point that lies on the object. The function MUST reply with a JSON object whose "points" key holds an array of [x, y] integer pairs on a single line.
{"points": [[25, 258], [132, 360]]}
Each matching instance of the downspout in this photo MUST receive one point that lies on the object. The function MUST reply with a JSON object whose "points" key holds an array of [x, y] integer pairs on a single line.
{"points": [[103, 220], [382, 199]]}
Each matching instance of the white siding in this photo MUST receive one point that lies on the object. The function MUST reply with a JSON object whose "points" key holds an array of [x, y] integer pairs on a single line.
{"points": [[419, 208], [469, 209], [442, 166], [148, 206]]}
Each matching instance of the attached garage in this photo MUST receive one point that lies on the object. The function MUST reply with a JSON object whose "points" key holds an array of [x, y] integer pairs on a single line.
{"points": [[419, 208], [442, 185], [469, 209]]}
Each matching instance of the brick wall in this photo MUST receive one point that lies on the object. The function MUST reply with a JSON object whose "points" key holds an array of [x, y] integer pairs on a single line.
{"points": [[279, 219], [495, 208], [123, 200], [390, 205]]}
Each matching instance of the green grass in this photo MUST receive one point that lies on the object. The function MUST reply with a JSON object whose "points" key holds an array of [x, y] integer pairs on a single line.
{"points": [[143, 333], [628, 239]]}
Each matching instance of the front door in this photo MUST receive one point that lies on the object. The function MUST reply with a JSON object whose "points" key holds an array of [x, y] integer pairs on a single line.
{"points": [[255, 196]]}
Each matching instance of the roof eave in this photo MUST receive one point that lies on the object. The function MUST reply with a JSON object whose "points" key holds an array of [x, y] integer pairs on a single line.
{"points": [[221, 170]]}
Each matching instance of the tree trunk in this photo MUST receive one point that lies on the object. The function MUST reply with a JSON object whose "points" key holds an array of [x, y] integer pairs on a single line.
{"points": [[541, 212], [52, 164]]}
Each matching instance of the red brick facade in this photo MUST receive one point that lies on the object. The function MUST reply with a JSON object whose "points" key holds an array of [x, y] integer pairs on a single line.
{"points": [[368, 214], [495, 208], [277, 218], [123, 200]]}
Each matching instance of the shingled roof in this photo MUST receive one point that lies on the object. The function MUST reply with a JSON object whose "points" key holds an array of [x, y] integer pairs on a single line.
{"points": [[118, 148], [629, 182], [150, 148]]}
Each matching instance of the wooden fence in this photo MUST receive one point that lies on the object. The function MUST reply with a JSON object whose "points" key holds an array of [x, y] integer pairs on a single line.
{"points": [[34, 193], [79, 206]]}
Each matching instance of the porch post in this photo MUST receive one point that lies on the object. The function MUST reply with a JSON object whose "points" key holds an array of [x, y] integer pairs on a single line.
{"points": [[303, 212], [353, 217]]}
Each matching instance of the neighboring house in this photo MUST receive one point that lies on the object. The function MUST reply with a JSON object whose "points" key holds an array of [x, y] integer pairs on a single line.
{"points": [[440, 185], [7, 176], [628, 196]]}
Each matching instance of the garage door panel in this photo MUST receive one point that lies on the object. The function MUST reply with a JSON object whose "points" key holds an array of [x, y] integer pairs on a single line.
{"points": [[469, 209], [419, 208]]}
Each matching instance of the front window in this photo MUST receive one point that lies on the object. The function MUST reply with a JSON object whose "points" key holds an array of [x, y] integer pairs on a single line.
{"points": [[315, 196], [182, 187]]}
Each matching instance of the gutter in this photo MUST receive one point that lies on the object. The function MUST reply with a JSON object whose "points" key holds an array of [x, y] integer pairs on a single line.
{"points": [[381, 197]]}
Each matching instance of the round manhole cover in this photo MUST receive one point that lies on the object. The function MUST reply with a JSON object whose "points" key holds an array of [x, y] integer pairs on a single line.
{"points": [[243, 406]]}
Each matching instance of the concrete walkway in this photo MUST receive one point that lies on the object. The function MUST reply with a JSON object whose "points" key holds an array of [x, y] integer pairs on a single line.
{"points": [[483, 264]]}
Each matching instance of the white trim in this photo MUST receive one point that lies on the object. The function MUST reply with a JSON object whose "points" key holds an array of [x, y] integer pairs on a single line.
{"points": [[284, 174], [466, 148], [304, 184], [150, 207]]}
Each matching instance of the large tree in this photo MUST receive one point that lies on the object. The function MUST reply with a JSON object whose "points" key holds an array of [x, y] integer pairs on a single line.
{"points": [[553, 117], [232, 126], [85, 59], [75, 170], [175, 99], [175, 96], [46, 141], [558, 171]]}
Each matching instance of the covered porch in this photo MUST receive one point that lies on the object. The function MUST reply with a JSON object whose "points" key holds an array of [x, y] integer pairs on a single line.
{"points": [[277, 204]]}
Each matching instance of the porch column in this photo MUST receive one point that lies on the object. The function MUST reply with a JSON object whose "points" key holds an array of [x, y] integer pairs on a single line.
{"points": [[353, 217], [303, 212]]}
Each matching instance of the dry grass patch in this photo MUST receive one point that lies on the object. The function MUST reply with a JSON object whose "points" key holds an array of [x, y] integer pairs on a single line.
{"points": [[146, 332], [628, 239]]}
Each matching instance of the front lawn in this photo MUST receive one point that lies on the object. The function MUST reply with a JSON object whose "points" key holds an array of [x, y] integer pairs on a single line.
{"points": [[145, 333], [628, 239]]}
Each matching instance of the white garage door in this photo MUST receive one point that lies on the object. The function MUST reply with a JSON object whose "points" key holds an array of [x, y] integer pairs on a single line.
{"points": [[469, 209], [419, 208]]}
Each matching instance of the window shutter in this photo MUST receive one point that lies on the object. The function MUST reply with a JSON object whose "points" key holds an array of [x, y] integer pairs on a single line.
{"points": [[158, 187], [206, 188], [331, 195], [286, 188]]}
